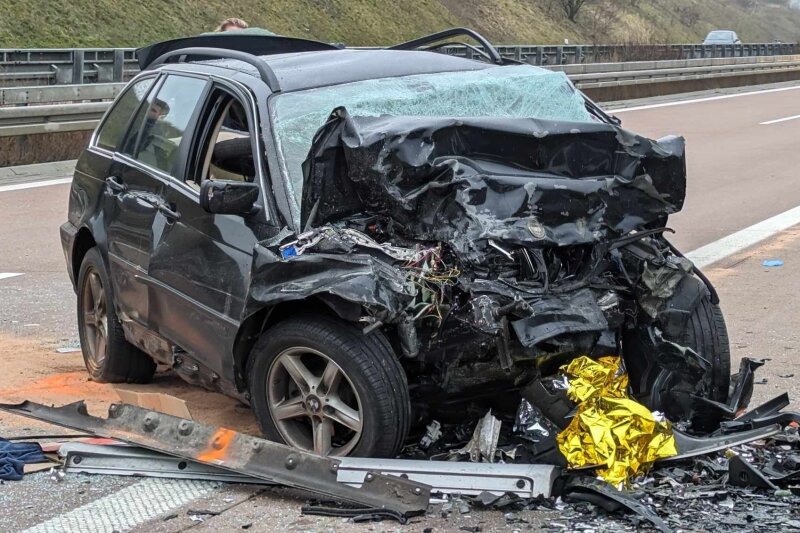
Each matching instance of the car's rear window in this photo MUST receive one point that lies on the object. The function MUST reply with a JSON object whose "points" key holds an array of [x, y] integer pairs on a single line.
{"points": [[726, 36], [522, 91], [113, 129]]}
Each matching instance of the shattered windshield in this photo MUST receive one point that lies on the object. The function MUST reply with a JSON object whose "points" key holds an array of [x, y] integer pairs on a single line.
{"points": [[522, 91]]}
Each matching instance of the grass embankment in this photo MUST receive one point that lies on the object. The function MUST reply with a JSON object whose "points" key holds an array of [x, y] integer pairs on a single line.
{"points": [[103, 23]]}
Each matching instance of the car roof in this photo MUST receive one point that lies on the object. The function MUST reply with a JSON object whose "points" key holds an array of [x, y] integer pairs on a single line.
{"points": [[303, 64], [306, 70]]}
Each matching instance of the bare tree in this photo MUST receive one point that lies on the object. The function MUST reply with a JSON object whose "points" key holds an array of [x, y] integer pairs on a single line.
{"points": [[572, 7]]}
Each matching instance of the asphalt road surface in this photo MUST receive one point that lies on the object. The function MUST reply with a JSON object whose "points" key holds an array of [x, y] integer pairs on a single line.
{"points": [[743, 165]]}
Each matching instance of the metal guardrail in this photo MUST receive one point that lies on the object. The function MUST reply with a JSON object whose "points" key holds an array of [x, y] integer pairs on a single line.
{"points": [[49, 109], [66, 66], [58, 66], [577, 54]]}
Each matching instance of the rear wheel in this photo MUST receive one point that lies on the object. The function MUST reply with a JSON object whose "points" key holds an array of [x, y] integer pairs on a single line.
{"points": [[321, 385], [108, 357]]}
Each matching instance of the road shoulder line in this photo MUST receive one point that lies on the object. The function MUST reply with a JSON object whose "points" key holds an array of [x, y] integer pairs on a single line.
{"points": [[738, 241], [34, 184]]}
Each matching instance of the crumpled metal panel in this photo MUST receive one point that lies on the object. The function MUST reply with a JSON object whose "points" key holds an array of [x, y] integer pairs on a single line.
{"points": [[465, 181]]}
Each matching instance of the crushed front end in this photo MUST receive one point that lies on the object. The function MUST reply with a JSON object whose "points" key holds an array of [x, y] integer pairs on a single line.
{"points": [[494, 250]]}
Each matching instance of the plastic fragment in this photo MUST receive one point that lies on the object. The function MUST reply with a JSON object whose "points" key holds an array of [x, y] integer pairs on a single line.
{"points": [[432, 433], [288, 252], [531, 424], [772, 263], [610, 429], [483, 444]]}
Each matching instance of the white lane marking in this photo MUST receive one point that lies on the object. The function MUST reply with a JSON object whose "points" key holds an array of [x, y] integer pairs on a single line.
{"points": [[736, 242], [706, 99], [784, 119], [127, 508], [34, 184], [6, 275]]}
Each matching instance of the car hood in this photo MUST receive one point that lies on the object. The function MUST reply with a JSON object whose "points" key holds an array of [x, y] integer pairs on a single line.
{"points": [[469, 181]]}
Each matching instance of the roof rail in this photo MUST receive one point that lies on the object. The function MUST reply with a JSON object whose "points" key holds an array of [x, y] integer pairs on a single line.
{"points": [[187, 54], [491, 51]]}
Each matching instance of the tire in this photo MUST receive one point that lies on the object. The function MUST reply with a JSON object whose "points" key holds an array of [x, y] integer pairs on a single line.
{"points": [[669, 390], [373, 383], [120, 361]]}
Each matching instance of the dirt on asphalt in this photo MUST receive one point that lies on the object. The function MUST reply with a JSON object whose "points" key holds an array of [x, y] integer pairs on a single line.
{"points": [[35, 371]]}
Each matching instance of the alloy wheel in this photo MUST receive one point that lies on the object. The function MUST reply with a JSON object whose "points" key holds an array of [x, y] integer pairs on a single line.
{"points": [[95, 320], [313, 403]]}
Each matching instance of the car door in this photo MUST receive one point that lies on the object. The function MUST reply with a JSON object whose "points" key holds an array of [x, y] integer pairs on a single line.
{"points": [[203, 260], [127, 216], [138, 182]]}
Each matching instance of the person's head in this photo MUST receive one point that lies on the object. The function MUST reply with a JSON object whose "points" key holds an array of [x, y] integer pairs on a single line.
{"points": [[158, 109], [232, 24]]}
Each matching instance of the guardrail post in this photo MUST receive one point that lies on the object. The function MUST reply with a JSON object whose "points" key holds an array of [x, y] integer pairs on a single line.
{"points": [[119, 65], [559, 55], [538, 55], [77, 67]]}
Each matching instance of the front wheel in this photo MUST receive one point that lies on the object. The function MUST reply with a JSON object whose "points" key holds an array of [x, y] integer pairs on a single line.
{"points": [[667, 383], [321, 385]]}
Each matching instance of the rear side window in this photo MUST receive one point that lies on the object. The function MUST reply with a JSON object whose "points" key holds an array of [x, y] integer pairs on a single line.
{"points": [[113, 129], [163, 122]]}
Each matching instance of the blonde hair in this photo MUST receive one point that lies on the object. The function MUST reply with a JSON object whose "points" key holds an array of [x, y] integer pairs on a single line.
{"points": [[238, 23]]}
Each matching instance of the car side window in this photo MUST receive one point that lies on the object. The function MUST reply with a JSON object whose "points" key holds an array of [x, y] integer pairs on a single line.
{"points": [[164, 120], [227, 148], [113, 129]]}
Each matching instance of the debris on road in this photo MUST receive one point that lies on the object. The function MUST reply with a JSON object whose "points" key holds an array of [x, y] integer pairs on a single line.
{"points": [[483, 444], [747, 467], [68, 349], [15, 455], [232, 451], [772, 263]]}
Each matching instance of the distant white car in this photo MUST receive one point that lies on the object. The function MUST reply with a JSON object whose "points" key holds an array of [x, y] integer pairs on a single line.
{"points": [[722, 37]]}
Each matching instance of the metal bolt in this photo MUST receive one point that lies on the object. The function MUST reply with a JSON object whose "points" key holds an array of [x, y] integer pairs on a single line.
{"points": [[218, 444], [291, 462], [185, 427], [417, 491], [257, 445], [370, 477], [77, 460], [150, 422], [335, 467], [520, 483]]}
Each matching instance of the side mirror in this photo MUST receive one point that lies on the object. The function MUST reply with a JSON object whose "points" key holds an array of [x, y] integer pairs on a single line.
{"points": [[228, 197]]}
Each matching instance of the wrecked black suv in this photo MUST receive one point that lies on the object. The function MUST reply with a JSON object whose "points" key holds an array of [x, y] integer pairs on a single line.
{"points": [[356, 241]]}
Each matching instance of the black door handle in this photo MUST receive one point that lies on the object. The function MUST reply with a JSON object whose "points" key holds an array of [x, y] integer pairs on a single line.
{"points": [[115, 184], [167, 210]]}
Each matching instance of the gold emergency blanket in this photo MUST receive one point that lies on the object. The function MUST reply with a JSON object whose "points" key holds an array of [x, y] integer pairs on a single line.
{"points": [[610, 429]]}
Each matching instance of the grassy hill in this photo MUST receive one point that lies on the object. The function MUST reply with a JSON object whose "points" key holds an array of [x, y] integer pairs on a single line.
{"points": [[87, 23]]}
